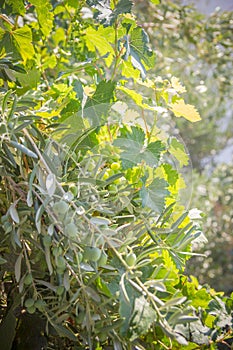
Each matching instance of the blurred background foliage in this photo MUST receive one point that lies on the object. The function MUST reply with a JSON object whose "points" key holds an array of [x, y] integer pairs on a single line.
{"points": [[199, 50]]}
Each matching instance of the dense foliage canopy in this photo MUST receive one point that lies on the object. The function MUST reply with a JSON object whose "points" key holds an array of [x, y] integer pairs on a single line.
{"points": [[94, 238]]}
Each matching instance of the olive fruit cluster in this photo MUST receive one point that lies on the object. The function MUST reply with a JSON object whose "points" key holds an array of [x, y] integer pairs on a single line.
{"points": [[94, 254], [31, 305]]}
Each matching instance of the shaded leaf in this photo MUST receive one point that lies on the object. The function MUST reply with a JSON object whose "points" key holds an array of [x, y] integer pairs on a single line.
{"points": [[18, 267], [14, 214], [51, 184], [142, 318], [23, 149], [153, 196]]}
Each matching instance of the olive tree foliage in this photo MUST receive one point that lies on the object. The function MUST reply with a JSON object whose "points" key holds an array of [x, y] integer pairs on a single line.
{"points": [[94, 240]]}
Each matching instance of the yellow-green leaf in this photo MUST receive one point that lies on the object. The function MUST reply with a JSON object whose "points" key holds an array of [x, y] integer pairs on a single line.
{"points": [[22, 38], [95, 40], [177, 85], [181, 109]]}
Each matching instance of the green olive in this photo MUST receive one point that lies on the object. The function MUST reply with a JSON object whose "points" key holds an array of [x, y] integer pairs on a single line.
{"points": [[29, 302], [60, 207], [60, 290], [92, 254], [60, 262], [103, 259], [73, 189], [40, 304], [31, 310], [131, 259], [57, 251], [28, 279], [71, 229], [47, 240]]}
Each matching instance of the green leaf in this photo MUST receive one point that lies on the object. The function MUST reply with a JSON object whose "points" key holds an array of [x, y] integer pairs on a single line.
{"points": [[142, 57], [98, 104], [133, 149], [13, 213], [136, 97], [22, 39], [17, 6], [23, 149], [177, 149], [51, 184], [2, 261], [153, 196], [44, 15], [29, 80], [98, 40], [18, 267], [143, 317], [172, 174], [104, 14]]}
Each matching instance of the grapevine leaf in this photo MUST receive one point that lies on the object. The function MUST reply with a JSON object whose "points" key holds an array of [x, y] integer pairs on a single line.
{"points": [[98, 104], [177, 85], [104, 14], [172, 174], [178, 151], [44, 15], [136, 97], [95, 39], [153, 196], [142, 318], [17, 6], [22, 39], [134, 151], [181, 109], [142, 57]]}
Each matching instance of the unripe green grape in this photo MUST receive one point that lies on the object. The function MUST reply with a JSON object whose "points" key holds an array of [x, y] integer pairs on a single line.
{"points": [[131, 259]]}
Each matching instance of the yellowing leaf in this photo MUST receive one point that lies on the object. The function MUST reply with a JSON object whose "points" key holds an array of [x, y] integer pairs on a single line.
{"points": [[137, 97], [177, 85], [181, 109]]}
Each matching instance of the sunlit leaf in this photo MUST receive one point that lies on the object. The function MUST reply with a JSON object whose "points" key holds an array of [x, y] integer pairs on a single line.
{"points": [[181, 109]]}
